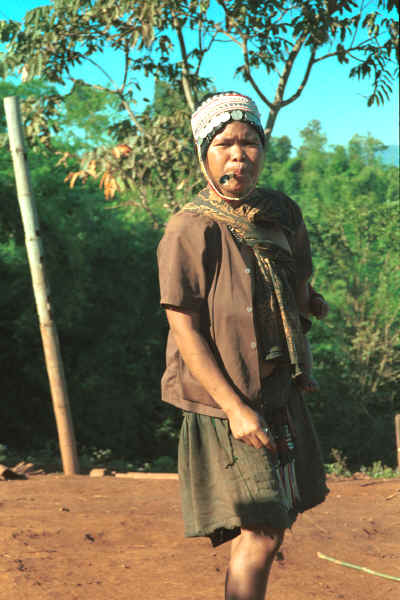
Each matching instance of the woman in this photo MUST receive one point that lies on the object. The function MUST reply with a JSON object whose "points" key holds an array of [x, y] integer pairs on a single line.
{"points": [[234, 265]]}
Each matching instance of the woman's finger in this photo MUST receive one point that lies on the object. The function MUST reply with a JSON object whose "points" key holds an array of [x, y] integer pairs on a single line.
{"points": [[252, 439], [256, 442], [265, 436]]}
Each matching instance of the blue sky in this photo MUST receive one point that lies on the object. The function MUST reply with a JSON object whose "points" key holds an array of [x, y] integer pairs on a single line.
{"points": [[330, 96]]}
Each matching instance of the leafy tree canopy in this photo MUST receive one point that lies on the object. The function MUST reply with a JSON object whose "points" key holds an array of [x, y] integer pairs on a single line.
{"points": [[101, 269], [86, 117], [349, 200], [80, 119], [170, 40]]}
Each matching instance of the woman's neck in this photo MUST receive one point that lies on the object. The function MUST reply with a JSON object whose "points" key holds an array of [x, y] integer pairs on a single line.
{"points": [[233, 202]]}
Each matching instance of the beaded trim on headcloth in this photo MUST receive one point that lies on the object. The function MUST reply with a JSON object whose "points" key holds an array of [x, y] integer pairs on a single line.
{"points": [[216, 112]]}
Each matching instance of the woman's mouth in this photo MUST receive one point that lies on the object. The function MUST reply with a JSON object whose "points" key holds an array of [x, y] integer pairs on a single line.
{"points": [[239, 175], [225, 178]]}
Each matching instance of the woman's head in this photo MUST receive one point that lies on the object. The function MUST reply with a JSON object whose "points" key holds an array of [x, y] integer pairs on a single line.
{"points": [[230, 143]]}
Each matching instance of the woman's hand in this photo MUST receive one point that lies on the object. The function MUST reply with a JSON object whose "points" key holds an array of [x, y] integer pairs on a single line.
{"points": [[307, 383], [249, 427], [318, 306], [246, 425]]}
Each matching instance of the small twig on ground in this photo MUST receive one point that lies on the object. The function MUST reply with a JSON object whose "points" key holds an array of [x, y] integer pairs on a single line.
{"points": [[393, 495], [372, 483], [364, 569]]}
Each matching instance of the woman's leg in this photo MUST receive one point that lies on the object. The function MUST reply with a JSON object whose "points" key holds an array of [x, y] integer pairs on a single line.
{"points": [[252, 553]]}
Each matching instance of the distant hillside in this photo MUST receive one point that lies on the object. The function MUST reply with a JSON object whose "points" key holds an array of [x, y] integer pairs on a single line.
{"points": [[390, 156]]}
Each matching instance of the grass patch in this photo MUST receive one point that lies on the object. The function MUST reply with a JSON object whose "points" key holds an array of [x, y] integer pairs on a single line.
{"points": [[48, 459], [377, 470]]}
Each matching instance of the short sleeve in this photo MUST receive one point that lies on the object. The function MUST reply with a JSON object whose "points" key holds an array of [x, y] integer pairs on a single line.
{"points": [[186, 259]]}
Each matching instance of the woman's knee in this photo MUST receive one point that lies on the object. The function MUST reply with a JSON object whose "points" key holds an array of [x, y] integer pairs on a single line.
{"points": [[264, 540]]}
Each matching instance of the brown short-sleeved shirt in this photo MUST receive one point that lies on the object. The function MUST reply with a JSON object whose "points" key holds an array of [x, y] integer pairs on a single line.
{"points": [[202, 268]]}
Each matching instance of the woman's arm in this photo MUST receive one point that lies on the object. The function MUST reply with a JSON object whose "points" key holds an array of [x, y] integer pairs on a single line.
{"points": [[246, 425], [303, 297]]}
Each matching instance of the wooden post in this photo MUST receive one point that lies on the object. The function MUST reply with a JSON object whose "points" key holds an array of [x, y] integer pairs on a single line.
{"points": [[397, 427], [55, 370]]}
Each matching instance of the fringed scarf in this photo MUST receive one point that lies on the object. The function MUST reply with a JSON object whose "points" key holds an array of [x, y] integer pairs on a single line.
{"points": [[277, 266], [284, 460]]}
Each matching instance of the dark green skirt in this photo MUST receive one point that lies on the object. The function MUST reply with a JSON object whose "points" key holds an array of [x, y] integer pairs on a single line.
{"points": [[226, 484]]}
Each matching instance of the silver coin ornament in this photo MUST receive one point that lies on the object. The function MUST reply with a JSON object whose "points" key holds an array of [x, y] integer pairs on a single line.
{"points": [[236, 115]]}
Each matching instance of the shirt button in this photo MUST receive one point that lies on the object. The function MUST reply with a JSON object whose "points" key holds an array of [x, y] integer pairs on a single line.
{"points": [[253, 345], [247, 270], [249, 309]]}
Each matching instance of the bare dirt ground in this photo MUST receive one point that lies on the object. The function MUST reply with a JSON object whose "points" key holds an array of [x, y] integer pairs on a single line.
{"points": [[67, 538]]}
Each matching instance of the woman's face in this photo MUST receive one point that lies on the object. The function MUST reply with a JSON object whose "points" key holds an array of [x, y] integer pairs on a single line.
{"points": [[236, 151]]}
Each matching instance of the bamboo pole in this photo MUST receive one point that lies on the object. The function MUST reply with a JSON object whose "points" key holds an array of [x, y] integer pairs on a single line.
{"points": [[51, 347], [397, 427]]}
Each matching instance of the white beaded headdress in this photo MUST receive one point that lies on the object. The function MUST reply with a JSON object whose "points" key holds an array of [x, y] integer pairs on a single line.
{"points": [[220, 109]]}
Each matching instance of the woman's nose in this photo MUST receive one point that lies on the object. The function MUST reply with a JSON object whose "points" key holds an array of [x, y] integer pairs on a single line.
{"points": [[237, 151]]}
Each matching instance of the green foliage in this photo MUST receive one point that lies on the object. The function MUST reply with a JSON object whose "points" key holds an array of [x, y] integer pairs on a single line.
{"points": [[339, 466], [157, 157], [76, 121], [164, 464], [377, 470], [102, 271], [380, 471], [86, 118], [350, 203], [169, 41], [90, 458], [39, 105], [62, 35], [3, 453]]}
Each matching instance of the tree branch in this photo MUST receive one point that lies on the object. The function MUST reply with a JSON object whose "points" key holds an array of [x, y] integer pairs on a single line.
{"points": [[94, 63], [185, 65], [130, 112], [301, 87], [278, 100], [219, 29], [250, 76], [204, 52], [288, 69], [361, 9], [126, 68], [360, 46], [124, 103]]}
